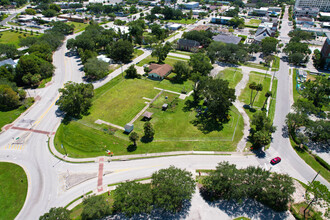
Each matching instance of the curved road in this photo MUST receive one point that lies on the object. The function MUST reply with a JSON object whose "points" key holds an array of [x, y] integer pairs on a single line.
{"points": [[25, 143]]}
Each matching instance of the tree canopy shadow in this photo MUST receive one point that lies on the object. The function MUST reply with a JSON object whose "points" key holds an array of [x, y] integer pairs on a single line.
{"points": [[131, 148], [248, 207], [145, 139], [156, 214], [207, 124]]}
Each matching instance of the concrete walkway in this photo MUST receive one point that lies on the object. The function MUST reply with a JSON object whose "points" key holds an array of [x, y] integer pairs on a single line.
{"points": [[99, 121], [239, 105]]}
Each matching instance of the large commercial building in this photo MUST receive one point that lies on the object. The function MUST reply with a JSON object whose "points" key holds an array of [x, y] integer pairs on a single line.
{"points": [[325, 52], [323, 5]]}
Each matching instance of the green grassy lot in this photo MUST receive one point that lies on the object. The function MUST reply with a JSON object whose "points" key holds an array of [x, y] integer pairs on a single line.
{"points": [[14, 185], [137, 53], [177, 58], [44, 82], [259, 101], [255, 65], [78, 26], [254, 22], [169, 60], [183, 21], [9, 37], [272, 105], [120, 102], [7, 117], [276, 64], [233, 75], [182, 52]]}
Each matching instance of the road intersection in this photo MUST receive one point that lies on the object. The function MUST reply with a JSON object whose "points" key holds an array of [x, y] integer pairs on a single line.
{"points": [[47, 174]]}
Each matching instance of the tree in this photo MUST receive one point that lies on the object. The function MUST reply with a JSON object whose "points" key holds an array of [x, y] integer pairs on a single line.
{"points": [[9, 50], [30, 11], [230, 53], [203, 37], [319, 194], [296, 58], [149, 131], [258, 88], [171, 187], [158, 31], [96, 69], [200, 63], [55, 7], [121, 51], [254, 48], [131, 72], [229, 183], [236, 21], [262, 138], [9, 99], [95, 207], [317, 91], [134, 137], [133, 198], [75, 99], [181, 69], [317, 59], [49, 13], [55, 214], [260, 134], [63, 28], [268, 45], [318, 131], [218, 98], [252, 86], [160, 51], [294, 121], [267, 95]]}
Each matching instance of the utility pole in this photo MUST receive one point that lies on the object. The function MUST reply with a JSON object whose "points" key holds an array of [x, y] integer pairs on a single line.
{"points": [[312, 181]]}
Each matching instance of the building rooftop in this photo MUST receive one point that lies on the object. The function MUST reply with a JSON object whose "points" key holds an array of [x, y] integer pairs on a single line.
{"points": [[188, 43], [201, 28], [324, 14], [8, 62], [228, 39], [160, 69]]}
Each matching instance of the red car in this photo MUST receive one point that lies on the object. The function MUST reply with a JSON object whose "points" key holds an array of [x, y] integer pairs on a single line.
{"points": [[275, 160]]}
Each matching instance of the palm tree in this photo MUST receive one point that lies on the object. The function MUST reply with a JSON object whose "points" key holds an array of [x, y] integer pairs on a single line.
{"points": [[267, 95], [259, 88], [252, 86]]}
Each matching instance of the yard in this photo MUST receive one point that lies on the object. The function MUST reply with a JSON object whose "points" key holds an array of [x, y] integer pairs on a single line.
{"points": [[14, 185], [276, 64], [254, 22], [120, 102], [260, 98], [78, 26], [233, 75], [169, 60], [183, 21], [255, 65], [9, 37]]}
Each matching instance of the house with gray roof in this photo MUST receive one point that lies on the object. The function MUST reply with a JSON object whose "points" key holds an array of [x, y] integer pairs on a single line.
{"points": [[8, 62], [189, 45], [228, 39], [262, 33]]}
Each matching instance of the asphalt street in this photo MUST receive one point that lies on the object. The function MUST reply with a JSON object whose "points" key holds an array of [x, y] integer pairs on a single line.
{"points": [[45, 172]]}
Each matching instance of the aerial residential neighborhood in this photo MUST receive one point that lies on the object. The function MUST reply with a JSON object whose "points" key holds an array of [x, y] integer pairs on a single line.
{"points": [[164, 109]]}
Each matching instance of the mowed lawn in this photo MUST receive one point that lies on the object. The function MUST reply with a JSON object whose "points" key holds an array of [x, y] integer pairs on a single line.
{"points": [[78, 26], [120, 102], [233, 75], [9, 37], [13, 190], [169, 60], [7, 117]]}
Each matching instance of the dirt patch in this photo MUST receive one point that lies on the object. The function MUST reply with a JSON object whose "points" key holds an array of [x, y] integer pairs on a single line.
{"points": [[299, 195]]}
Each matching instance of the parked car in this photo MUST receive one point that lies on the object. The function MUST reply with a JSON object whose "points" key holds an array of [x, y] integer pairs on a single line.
{"points": [[275, 160]]}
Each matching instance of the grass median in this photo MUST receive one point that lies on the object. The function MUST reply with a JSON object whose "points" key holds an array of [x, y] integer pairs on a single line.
{"points": [[14, 185]]}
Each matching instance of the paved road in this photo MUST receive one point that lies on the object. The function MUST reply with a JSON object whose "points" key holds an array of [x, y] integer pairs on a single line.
{"points": [[47, 175]]}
